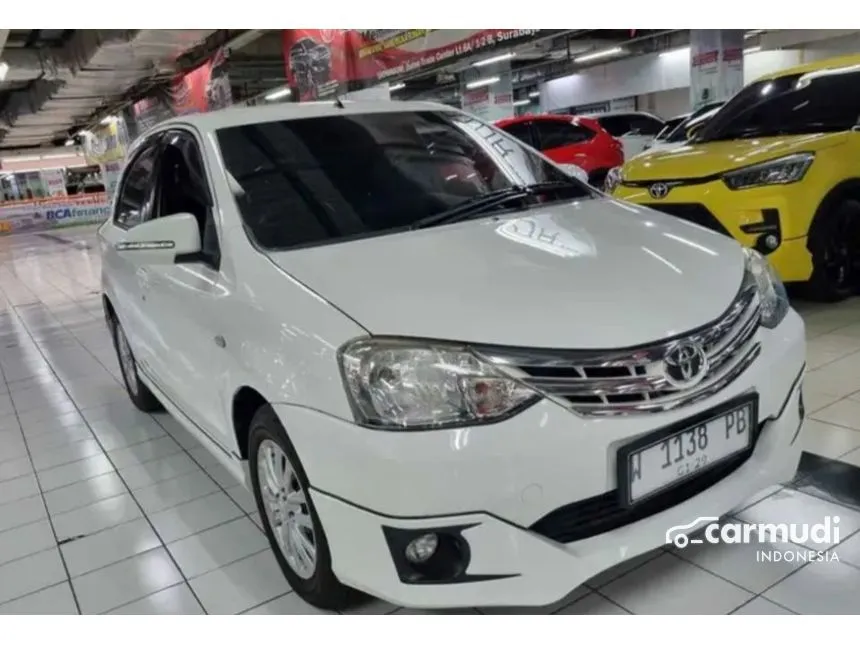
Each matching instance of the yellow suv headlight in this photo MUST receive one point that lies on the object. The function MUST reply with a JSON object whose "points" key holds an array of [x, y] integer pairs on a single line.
{"points": [[785, 170]]}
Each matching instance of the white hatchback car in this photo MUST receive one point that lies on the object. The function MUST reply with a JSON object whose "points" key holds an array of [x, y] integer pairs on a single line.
{"points": [[451, 374]]}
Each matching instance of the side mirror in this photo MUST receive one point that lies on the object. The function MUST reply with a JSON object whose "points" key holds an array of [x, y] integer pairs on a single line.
{"points": [[575, 171], [693, 131], [162, 240]]}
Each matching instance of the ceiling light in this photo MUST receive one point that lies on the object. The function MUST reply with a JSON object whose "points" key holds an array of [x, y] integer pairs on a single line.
{"points": [[109, 119], [534, 95], [494, 59], [752, 50], [685, 51], [278, 94], [85, 133], [522, 102], [753, 32], [4, 68], [396, 86], [615, 51], [70, 142], [482, 82]]}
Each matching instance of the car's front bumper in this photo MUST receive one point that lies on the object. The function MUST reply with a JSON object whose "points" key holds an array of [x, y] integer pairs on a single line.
{"points": [[494, 482], [744, 215]]}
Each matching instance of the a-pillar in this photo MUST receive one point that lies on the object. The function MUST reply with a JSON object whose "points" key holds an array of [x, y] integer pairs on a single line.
{"points": [[716, 64]]}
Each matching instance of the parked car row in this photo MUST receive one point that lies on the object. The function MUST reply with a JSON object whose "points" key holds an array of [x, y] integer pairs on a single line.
{"points": [[452, 374], [774, 168]]}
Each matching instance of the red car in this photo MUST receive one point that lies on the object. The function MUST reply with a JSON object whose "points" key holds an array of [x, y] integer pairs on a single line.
{"points": [[569, 139]]}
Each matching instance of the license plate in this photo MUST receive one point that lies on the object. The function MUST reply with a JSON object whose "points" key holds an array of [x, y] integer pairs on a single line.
{"points": [[656, 463]]}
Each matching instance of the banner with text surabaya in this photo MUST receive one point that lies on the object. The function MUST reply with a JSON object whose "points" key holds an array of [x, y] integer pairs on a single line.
{"points": [[319, 61], [45, 214]]}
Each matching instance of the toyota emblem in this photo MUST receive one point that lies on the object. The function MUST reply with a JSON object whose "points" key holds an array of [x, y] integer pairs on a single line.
{"points": [[685, 364], [658, 190]]}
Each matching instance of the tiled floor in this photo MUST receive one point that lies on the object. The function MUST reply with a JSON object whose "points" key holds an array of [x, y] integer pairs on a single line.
{"points": [[107, 510]]}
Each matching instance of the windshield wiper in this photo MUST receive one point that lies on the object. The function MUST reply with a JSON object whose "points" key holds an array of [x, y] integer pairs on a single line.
{"points": [[487, 201]]}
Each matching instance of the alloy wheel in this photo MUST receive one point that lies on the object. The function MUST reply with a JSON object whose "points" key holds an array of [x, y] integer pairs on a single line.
{"points": [[286, 506]]}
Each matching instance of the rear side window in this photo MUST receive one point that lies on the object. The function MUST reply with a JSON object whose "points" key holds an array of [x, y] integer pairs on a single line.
{"points": [[617, 125], [556, 134], [132, 208], [645, 125], [522, 131]]}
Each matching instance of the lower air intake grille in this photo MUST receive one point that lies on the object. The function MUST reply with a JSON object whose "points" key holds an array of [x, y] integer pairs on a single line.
{"points": [[693, 213]]}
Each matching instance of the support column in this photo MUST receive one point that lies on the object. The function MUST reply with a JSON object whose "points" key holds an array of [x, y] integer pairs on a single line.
{"points": [[716, 64]]}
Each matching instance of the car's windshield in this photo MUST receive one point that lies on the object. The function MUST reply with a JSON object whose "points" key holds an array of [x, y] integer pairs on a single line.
{"points": [[319, 180], [791, 104], [679, 134], [669, 128]]}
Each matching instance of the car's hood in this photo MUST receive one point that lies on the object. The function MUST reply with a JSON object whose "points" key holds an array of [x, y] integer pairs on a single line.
{"points": [[705, 159], [595, 273]]}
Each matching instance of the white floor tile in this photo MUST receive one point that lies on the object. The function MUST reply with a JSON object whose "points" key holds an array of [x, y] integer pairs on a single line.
{"points": [[827, 439], [22, 511], [109, 546], [66, 454], [241, 585], [153, 472], [176, 600], [798, 508], [217, 547], [125, 581], [572, 597], [142, 453], [96, 517], [844, 413], [25, 540], [594, 604], [53, 601], [290, 604], [89, 491], [74, 472], [15, 468], [21, 577], [761, 607], [19, 488], [820, 588], [670, 585], [173, 492], [194, 516], [243, 497]]}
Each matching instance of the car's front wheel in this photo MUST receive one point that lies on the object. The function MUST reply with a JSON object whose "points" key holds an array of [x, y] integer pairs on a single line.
{"points": [[140, 395], [289, 518], [835, 246]]}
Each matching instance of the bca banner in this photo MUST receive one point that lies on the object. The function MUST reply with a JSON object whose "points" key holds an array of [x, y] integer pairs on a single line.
{"points": [[39, 215]]}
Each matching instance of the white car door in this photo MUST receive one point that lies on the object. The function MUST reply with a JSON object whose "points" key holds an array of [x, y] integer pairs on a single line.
{"points": [[189, 299], [124, 282]]}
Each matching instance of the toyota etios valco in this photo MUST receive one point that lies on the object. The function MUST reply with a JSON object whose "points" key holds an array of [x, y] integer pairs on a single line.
{"points": [[452, 374]]}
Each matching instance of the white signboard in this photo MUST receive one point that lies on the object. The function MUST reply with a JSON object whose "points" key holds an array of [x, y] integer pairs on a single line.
{"points": [[716, 64]]}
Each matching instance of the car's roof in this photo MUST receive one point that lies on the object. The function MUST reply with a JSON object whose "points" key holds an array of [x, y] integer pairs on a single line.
{"points": [[589, 122], [850, 60], [235, 116]]}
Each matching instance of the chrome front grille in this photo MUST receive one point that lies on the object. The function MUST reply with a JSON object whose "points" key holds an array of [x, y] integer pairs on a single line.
{"points": [[605, 383]]}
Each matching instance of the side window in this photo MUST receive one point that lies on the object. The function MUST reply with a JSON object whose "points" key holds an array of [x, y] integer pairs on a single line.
{"points": [[522, 131], [132, 207], [183, 188], [645, 125], [555, 134], [617, 125]]}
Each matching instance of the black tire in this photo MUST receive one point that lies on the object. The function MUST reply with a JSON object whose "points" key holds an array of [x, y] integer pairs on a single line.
{"points": [[322, 589], [597, 178], [142, 397], [834, 243]]}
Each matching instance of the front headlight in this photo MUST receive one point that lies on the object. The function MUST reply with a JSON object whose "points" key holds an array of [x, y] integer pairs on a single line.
{"points": [[785, 170], [613, 178], [774, 299], [418, 385]]}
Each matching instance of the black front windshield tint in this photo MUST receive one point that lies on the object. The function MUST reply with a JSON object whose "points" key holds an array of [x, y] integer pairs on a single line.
{"points": [[783, 106], [319, 180]]}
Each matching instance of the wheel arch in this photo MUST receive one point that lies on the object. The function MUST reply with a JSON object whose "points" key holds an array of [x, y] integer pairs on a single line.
{"points": [[246, 401], [847, 189]]}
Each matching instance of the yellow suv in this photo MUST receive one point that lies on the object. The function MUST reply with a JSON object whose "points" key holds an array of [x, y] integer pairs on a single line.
{"points": [[778, 169]]}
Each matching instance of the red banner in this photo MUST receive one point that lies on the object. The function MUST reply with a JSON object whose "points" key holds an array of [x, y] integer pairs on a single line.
{"points": [[203, 89], [320, 61]]}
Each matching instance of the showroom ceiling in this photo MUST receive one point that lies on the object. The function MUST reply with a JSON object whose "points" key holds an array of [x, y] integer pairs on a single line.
{"points": [[54, 79]]}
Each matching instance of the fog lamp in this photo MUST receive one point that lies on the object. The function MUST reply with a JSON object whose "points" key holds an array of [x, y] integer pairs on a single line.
{"points": [[422, 548]]}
